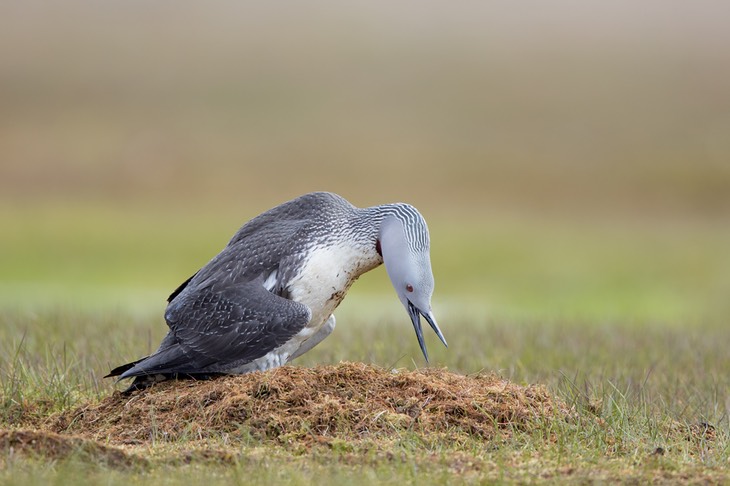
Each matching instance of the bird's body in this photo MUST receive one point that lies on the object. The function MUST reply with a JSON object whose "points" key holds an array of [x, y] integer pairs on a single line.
{"points": [[270, 294]]}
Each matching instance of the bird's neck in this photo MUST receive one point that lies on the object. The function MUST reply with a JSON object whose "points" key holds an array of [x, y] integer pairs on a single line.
{"points": [[367, 223]]}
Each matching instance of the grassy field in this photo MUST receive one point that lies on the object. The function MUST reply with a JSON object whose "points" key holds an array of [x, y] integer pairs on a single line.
{"points": [[571, 161], [636, 388], [624, 347]]}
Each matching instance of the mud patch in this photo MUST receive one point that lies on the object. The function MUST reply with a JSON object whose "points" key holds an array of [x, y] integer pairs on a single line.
{"points": [[346, 402], [48, 445]]}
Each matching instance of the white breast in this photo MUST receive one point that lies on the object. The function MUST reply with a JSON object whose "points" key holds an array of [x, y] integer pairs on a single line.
{"points": [[321, 284], [325, 277]]}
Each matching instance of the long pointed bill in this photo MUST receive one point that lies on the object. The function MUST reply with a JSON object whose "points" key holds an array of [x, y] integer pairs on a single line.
{"points": [[415, 314], [432, 322], [416, 319]]}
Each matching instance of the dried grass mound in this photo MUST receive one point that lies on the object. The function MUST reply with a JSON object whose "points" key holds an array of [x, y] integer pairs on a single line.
{"points": [[348, 401], [53, 446]]}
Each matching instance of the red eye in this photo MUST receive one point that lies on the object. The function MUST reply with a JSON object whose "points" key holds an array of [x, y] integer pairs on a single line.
{"points": [[409, 287]]}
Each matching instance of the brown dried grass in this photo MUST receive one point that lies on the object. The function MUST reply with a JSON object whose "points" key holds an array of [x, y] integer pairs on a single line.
{"points": [[349, 401]]}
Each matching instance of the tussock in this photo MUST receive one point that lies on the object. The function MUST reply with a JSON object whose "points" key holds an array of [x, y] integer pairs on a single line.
{"points": [[348, 401]]}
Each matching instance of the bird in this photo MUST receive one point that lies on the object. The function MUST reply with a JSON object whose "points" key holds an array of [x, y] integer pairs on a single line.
{"points": [[269, 296]]}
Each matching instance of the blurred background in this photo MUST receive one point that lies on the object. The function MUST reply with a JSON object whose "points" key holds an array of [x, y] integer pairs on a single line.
{"points": [[572, 158]]}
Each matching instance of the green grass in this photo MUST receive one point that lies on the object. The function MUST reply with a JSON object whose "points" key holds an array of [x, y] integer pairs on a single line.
{"points": [[636, 387]]}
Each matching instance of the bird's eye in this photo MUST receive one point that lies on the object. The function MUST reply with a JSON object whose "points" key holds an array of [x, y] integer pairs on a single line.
{"points": [[409, 287]]}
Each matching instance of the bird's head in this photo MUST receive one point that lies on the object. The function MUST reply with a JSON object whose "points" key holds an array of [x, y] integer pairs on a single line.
{"points": [[404, 245]]}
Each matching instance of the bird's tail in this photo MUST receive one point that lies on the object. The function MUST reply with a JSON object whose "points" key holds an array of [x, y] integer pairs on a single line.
{"points": [[143, 378], [121, 369]]}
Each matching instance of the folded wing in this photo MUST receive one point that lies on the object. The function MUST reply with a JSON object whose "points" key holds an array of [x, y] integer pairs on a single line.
{"points": [[215, 328]]}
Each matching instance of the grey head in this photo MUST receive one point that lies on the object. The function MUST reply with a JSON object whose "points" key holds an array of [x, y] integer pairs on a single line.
{"points": [[405, 244]]}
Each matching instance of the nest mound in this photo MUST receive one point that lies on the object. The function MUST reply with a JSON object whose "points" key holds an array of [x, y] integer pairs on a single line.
{"points": [[348, 401]]}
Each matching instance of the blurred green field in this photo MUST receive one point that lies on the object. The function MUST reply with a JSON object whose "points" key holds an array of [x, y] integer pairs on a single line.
{"points": [[132, 258], [571, 160]]}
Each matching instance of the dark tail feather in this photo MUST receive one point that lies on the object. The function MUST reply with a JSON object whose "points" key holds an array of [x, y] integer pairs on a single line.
{"points": [[180, 288], [121, 369]]}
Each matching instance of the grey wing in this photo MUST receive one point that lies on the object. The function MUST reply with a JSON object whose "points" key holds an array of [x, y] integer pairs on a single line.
{"points": [[212, 329]]}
